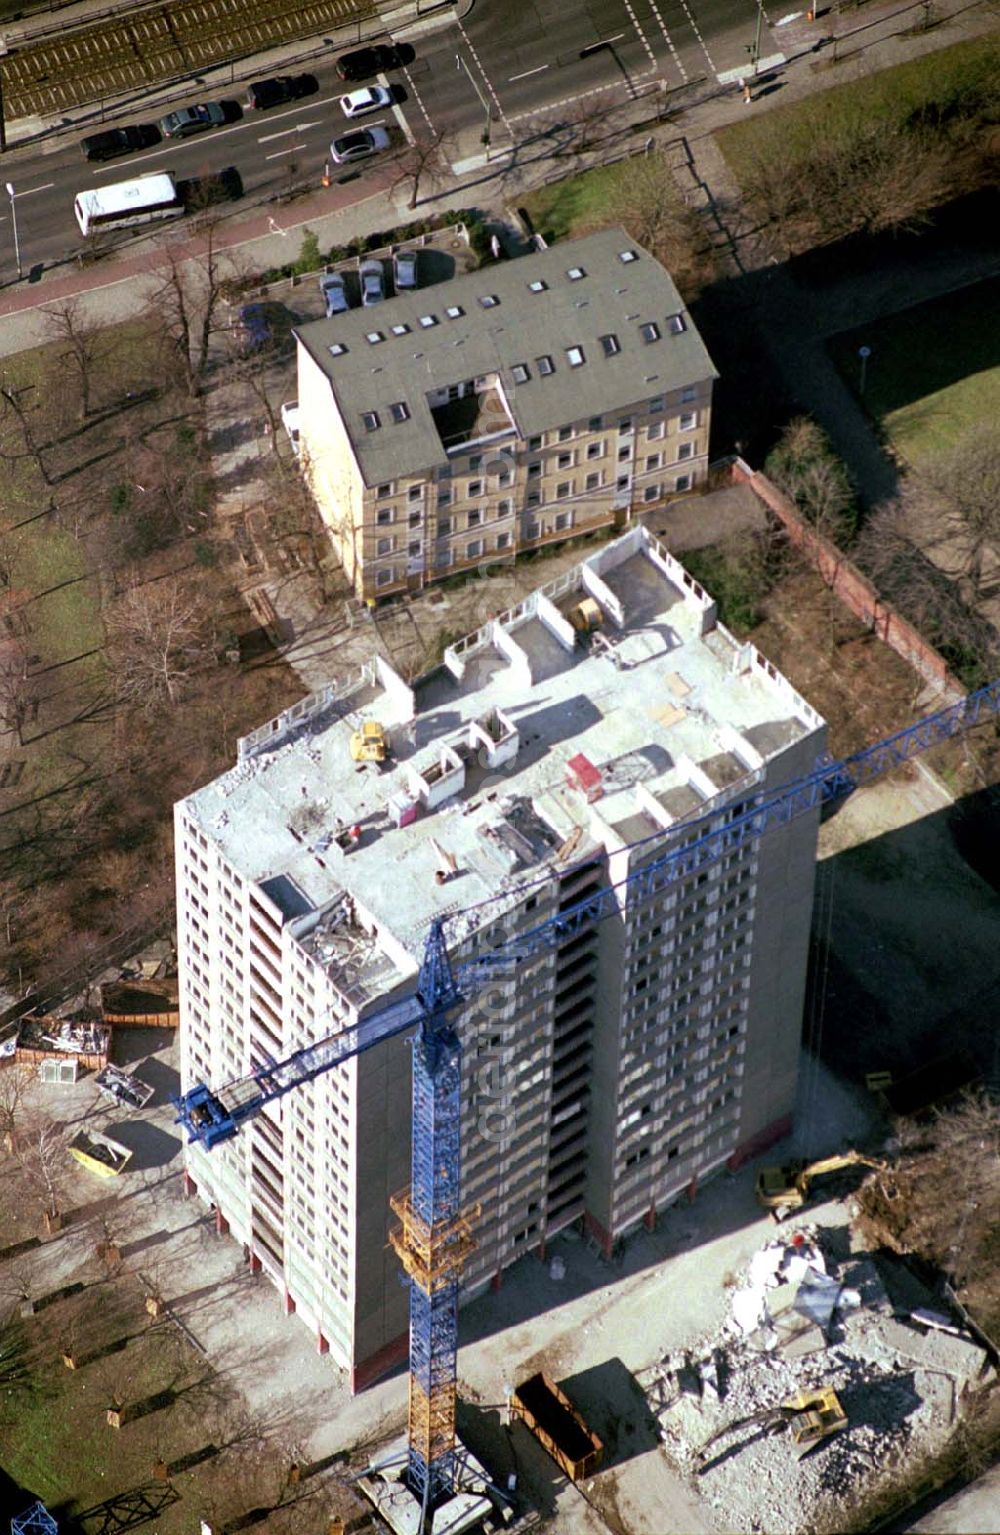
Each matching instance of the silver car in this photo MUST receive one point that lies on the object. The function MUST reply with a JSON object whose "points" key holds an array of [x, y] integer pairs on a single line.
{"points": [[359, 145], [334, 291], [372, 282], [404, 270]]}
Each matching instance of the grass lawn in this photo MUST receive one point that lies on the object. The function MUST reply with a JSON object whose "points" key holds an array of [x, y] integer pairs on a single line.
{"points": [[576, 204], [890, 96], [934, 370]]}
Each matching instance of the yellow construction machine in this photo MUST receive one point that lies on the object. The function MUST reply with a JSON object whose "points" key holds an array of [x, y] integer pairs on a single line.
{"points": [[370, 743], [809, 1416], [785, 1188]]}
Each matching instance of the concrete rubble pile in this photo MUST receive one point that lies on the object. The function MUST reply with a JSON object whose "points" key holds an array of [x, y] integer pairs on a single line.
{"points": [[799, 1321]]}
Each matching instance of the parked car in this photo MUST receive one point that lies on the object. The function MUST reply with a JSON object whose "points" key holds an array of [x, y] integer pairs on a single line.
{"points": [[334, 291], [404, 270], [197, 192], [359, 145], [187, 120], [372, 282], [274, 93], [368, 99], [119, 141], [264, 325], [365, 62], [290, 421]]}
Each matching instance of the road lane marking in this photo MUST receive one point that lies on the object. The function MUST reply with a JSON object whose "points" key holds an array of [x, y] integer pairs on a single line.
{"points": [[486, 79], [289, 151], [641, 33], [669, 41], [694, 28], [417, 99], [28, 190], [249, 121], [523, 76]]}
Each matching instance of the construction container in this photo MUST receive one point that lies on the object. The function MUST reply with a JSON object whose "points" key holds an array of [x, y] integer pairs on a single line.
{"points": [[557, 1425], [402, 809], [99, 1153], [140, 1004]]}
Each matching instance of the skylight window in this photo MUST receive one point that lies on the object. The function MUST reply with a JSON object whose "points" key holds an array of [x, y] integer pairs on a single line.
{"points": [[400, 411], [650, 331], [538, 286], [373, 337], [427, 320], [371, 420], [627, 256], [574, 355], [520, 373], [676, 323], [611, 345], [575, 273], [399, 330], [545, 366], [454, 311], [337, 349], [489, 300]]}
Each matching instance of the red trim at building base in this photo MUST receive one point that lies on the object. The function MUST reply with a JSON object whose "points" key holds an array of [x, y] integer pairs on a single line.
{"points": [[322, 1347], [289, 1304], [649, 1220], [593, 1228], [255, 1263], [376, 1365], [190, 1187], [496, 1281], [221, 1224], [775, 1131]]}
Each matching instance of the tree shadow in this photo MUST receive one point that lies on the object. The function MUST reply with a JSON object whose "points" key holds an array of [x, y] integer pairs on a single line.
{"points": [[128, 1510]]}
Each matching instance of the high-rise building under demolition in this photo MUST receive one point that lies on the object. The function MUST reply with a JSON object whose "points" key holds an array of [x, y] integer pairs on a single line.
{"points": [[554, 752]]}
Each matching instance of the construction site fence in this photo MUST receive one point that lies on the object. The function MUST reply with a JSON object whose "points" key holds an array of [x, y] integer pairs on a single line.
{"points": [[852, 588]]}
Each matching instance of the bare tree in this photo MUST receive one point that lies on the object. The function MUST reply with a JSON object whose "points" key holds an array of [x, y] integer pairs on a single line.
{"points": [[15, 1080], [14, 409], [17, 689], [85, 344], [966, 479], [645, 198], [805, 467], [159, 634], [185, 305], [425, 160], [41, 1155]]}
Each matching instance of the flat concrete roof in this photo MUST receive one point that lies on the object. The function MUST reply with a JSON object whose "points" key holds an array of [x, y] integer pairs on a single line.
{"points": [[498, 323], [526, 747]]}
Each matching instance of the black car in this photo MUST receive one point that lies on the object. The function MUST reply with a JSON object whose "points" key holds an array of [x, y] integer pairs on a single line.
{"points": [[274, 93], [119, 141], [199, 192], [363, 63]]}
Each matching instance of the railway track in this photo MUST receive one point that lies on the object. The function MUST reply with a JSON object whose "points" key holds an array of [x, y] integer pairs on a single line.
{"points": [[146, 47]]}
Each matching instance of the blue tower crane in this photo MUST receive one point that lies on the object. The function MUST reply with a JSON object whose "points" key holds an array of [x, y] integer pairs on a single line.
{"points": [[434, 1237]]}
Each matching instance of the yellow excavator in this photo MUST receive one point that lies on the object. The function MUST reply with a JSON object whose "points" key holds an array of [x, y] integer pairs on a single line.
{"points": [[809, 1416], [785, 1188], [370, 743]]}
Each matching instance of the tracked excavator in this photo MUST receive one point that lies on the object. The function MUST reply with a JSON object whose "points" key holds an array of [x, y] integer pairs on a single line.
{"points": [[784, 1189]]}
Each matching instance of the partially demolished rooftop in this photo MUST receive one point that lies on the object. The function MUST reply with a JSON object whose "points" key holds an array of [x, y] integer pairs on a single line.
{"points": [[526, 747]]}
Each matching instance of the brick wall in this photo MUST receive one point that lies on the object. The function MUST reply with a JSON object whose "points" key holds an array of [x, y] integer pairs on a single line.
{"points": [[854, 590]]}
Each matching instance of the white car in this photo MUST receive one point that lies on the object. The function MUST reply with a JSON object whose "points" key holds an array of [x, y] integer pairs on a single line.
{"points": [[370, 98], [331, 285], [290, 421]]}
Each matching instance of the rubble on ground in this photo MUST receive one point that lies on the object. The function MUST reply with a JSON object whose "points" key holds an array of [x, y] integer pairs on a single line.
{"points": [[800, 1320]]}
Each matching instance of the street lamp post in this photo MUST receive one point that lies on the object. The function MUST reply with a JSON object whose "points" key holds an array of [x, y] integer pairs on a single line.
{"points": [[13, 216], [755, 50], [461, 64], [864, 352]]}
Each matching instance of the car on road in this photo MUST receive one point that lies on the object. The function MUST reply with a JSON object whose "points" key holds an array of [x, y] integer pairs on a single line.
{"points": [[187, 120], [119, 141], [372, 282], [334, 291], [198, 192], [359, 145], [263, 326], [365, 62], [275, 93], [404, 270], [368, 99], [290, 421]]}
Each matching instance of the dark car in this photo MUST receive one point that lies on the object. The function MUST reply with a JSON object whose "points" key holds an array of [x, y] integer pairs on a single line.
{"points": [[274, 93], [263, 326], [119, 141], [363, 63]]}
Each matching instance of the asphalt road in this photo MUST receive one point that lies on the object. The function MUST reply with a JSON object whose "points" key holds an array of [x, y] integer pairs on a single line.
{"points": [[520, 59]]}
